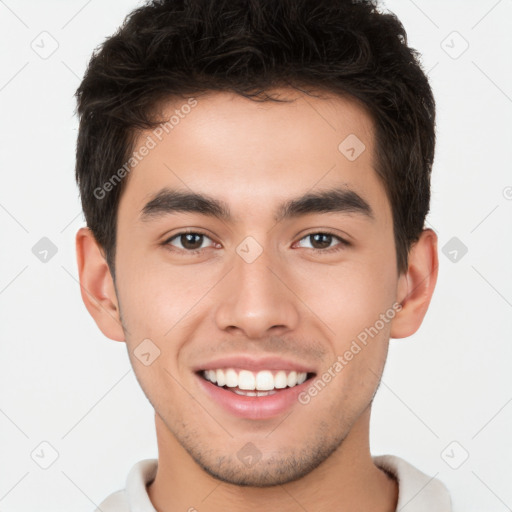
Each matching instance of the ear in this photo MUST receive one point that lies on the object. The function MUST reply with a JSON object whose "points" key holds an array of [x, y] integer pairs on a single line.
{"points": [[97, 286], [416, 286]]}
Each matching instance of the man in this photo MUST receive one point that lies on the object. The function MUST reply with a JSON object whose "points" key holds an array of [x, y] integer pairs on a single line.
{"points": [[255, 178]]}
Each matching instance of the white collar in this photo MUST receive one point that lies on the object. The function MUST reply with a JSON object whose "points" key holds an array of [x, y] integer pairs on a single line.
{"points": [[417, 492]]}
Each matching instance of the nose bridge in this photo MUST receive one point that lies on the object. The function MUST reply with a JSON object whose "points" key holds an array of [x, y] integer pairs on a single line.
{"points": [[256, 299]]}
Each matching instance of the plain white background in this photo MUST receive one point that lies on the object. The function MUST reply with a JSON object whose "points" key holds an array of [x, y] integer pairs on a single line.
{"points": [[445, 399]]}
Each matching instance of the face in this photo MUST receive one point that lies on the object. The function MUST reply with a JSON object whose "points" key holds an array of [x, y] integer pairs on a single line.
{"points": [[283, 270]]}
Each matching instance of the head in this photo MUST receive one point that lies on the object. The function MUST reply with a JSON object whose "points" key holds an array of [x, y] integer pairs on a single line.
{"points": [[294, 142]]}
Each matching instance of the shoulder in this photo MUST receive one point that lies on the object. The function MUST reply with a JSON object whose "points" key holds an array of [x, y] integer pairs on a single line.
{"points": [[116, 502], [134, 496], [420, 491]]}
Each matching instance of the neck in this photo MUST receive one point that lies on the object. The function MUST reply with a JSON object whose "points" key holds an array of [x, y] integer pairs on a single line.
{"points": [[347, 480]]}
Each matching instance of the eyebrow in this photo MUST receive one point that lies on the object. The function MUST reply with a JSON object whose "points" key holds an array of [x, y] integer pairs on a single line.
{"points": [[336, 200]]}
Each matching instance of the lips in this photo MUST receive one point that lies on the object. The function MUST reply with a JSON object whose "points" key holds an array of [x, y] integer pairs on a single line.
{"points": [[254, 388], [245, 362]]}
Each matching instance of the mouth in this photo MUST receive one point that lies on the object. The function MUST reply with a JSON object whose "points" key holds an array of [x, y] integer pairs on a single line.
{"points": [[254, 394], [249, 383]]}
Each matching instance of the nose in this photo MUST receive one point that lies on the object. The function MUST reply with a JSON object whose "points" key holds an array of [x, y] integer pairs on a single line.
{"points": [[257, 298]]}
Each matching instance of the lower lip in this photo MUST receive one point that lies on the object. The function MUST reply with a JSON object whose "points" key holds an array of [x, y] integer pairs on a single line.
{"points": [[253, 407]]}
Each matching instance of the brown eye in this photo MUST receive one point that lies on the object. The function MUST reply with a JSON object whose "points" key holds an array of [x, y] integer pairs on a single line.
{"points": [[191, 240], [322, 242], [188, 241]]}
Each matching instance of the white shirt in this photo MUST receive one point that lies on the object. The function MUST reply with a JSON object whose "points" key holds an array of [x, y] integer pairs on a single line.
{"points": [[417, 492]]}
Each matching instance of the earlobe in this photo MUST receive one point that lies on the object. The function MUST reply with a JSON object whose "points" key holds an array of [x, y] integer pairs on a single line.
{"points": [[97, 286], [416, 286]]}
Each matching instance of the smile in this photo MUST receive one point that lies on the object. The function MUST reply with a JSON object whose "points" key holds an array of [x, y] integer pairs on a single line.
{"points": [[255, 394], [248, 383]]}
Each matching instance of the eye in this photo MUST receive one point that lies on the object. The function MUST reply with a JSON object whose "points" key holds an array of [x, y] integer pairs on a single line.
{"points": [[189, 241], [321, 242]]}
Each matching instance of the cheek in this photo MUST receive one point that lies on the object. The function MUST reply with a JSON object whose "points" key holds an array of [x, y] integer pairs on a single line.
{"points": [[351, 296], [155, 297]]}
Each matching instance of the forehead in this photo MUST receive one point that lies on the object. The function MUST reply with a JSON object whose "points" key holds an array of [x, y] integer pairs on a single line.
{"points": [[251, 154]]}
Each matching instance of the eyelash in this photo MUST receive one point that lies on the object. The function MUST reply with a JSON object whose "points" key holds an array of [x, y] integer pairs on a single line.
{"points": [[342, 245]]}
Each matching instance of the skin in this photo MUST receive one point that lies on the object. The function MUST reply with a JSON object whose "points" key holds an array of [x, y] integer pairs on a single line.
{"points": [[291, 302]]}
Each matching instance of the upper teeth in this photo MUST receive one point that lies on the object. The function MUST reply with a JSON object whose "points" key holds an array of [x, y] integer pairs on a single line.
{"points": [[263, 380]]}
